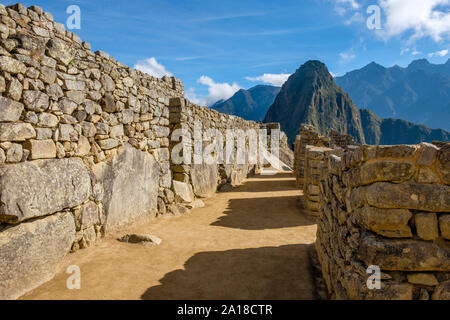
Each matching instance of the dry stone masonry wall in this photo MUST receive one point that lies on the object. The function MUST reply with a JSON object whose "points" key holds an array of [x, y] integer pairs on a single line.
{"points": [[84, 147], [388, 207]]}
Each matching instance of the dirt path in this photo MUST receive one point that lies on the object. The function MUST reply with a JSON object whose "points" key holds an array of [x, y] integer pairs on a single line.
{"points": [[249, 243]]}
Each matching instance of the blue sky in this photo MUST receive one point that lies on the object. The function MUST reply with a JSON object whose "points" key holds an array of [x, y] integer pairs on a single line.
{"points": [[217, 47]]}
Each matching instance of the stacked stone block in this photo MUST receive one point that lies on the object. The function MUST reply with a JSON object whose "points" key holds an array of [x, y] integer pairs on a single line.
{"points": [[309, 136], [202, 180], [386, 206], [314, 162], [84, 147]]}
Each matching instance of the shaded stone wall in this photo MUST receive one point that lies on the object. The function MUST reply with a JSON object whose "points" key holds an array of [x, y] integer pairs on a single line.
{"points": [[308, 136], [84, 147], [382, 206], [313, 166], [387, 206], [202, 180]]}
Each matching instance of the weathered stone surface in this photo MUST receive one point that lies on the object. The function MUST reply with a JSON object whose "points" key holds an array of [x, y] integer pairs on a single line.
{"points": [[403, 255], [10, 110], [427, 154], [16, 131], [41, 149], [444, 225], [432, 198], [89, 215], [14, 153], [31, 252], [183, 191], [108, 144], [442, 292], [444, 163], [11, 65], [177, 209], [383, 171], [35, 100], [392, 223], [67, 184], [204, 180], [425, 279], [60, 51], [48, 120], [399, 152], [427, 226], [144, 239], [130, 184], [67, 133]]}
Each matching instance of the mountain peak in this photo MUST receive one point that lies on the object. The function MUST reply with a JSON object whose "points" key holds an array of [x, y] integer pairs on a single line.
{"points": [[419, 63], [313, 72], [310, 96], [251, 104]]}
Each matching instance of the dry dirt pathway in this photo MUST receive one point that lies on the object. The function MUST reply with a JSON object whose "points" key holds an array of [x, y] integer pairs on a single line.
{"points": [[248, 243]]}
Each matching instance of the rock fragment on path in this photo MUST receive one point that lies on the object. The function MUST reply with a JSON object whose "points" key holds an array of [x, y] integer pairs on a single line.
{"points": [[144, 239]]}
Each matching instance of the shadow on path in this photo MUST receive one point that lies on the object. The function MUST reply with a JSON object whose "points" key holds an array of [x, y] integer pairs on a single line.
{"points": [[264, 213], [268, 273]]}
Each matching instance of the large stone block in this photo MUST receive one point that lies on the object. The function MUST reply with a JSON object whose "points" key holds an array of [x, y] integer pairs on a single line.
{"points": [[42, 187], [131, 184], [392, 223], [183, 191], [10, 110], [403, 255], [444, 225], [423, 197], [427, 225], [444, 163], [16, 131], [384, 170], [41, 149], [31, 252], [204, 180]]}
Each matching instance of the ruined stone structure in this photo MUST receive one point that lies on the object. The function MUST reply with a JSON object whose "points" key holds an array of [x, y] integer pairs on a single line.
{"points": [[308, 136], [85, 145], [383, 206]]}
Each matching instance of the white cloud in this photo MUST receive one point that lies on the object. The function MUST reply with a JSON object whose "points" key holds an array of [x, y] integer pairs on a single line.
{"points": [[441, 53], [342, 6], [413, 52], [404, 50], [430, 18], [152, 67], [271, 78], [346, 57], [216, 91], [356, 18], [352, 3]]}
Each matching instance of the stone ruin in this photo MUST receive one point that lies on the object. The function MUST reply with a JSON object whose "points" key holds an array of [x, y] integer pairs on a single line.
{"points": [[386, 207], [85, 147]]}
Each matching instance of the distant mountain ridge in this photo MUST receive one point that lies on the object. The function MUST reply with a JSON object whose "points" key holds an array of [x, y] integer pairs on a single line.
{"points": [[251, 104], [311, 96], [419, 93]]}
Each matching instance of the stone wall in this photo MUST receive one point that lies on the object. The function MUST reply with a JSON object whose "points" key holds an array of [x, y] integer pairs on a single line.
{"points": [[308, 136], [85, 147], [382, 206], [313, 166], [202, 180]]}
